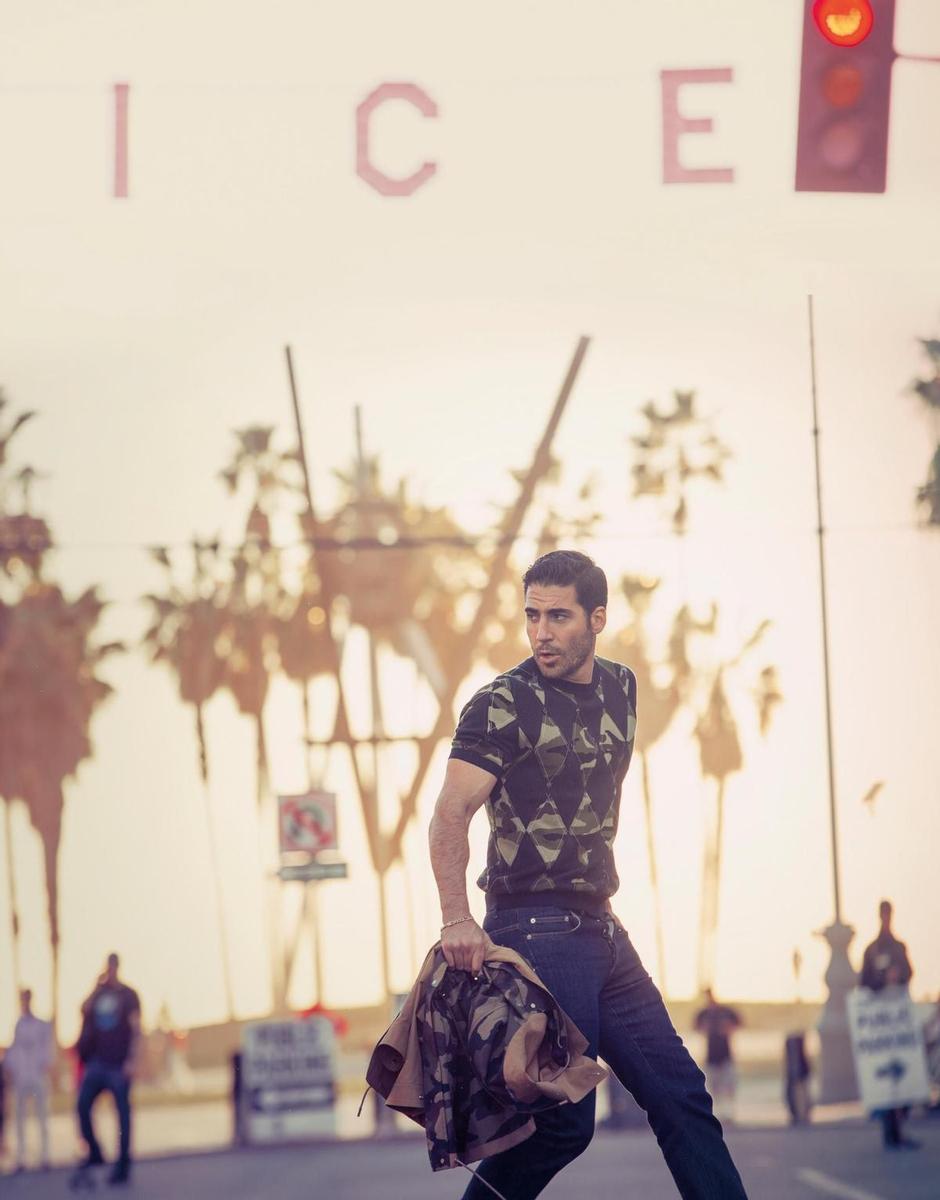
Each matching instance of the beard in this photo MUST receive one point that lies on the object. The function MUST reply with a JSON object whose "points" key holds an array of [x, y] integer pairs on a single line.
{"points": [[570, 660]]}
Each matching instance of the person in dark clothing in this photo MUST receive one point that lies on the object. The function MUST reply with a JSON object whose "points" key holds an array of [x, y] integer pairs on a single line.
{"points": [[885, 964], [546, 747], [718, 1022], [108, 1046], [3, 1109]]}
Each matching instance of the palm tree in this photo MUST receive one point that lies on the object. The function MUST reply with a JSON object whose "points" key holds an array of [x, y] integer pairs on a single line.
{"points": [[381, 535], [253, 611], [256, 594], [660, 703], [716, 731], [928, 496], [23, 539], [49, 689], [300, 629], [676, 446], [49, 692], [187, 623]]}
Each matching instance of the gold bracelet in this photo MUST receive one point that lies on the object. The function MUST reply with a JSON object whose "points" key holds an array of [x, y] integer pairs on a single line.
{"points": [[459, 921]]}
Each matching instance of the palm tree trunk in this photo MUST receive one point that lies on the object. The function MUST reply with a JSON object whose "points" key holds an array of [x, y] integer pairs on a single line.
{"points": [[267, 815], [305, 695], [410, 909], [214, 863], [261, 761], [378, 730], [17, 978], [47, 818], [719, 837], [383, 932], [313, 919], [711, 880], [654, 874]]}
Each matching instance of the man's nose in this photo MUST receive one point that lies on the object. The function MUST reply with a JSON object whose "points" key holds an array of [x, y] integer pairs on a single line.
{"points": [[542, 633]]}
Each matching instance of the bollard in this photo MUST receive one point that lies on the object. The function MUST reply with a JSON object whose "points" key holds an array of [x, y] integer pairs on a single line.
{"points": [[238, 1121]]}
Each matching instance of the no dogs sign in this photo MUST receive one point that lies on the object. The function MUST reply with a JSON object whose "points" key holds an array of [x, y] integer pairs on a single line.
{"points": [[307, 823]]}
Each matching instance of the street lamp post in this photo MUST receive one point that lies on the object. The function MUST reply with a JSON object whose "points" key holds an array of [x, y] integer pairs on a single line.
{"points": [[837, 1080]]}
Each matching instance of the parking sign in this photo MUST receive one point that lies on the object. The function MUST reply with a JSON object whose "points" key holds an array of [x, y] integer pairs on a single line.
{"points": [[288, 1079]]}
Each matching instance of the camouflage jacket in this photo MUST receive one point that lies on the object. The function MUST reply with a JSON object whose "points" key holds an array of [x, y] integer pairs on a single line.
{"points": [[472, 1059]]}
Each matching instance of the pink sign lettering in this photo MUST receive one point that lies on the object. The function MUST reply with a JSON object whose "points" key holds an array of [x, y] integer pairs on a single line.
{"points": [[121, 91], [675, 124], [388, 185]]}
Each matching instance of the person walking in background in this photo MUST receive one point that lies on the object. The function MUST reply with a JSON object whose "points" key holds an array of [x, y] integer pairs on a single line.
{"points": [[718, 1023], [885, 964], [28, 1064], [108, 1047], [3, 1108]]}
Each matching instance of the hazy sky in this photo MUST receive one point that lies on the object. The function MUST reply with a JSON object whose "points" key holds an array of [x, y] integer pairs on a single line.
{"points": [[145, 329]]}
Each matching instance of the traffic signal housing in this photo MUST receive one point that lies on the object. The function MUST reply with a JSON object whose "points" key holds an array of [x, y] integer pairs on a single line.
{"points": [[845, 95]]}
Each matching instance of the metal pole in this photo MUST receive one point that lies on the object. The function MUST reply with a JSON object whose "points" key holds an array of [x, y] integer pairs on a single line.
{"points": [[837, 1080], [821, 531]]}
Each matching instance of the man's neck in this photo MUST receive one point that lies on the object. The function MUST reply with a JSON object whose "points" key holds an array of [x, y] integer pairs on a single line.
{"points": [[584, 673]]}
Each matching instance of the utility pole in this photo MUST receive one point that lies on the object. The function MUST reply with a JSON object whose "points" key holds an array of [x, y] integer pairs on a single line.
{"points": [[837, 1080]]}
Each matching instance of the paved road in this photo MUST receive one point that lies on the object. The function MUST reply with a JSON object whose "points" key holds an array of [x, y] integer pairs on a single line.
{"points": [[845, 1162]]}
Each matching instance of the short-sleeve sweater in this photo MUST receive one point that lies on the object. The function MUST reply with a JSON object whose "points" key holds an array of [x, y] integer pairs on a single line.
{"points": [[559, 752]]}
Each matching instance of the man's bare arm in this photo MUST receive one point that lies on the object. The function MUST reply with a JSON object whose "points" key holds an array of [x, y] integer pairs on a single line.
{"points": [[465, 789]]}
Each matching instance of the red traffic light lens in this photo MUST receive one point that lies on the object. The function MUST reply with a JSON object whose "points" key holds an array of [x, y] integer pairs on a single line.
{"points": [[842, 86], [844, 22]]}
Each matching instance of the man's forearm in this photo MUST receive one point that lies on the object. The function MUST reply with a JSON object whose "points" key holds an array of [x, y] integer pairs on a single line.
{"points": [[450, 854]]}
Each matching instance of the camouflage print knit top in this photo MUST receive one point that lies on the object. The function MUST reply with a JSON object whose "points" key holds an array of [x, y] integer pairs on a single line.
{"points": [[559, 752]]}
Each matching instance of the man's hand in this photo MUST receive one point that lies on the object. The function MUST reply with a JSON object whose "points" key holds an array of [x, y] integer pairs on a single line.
{"points": [[464, 946]]}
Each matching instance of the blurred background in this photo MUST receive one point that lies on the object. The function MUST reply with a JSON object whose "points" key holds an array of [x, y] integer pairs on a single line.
{"points": [[431, 206]]}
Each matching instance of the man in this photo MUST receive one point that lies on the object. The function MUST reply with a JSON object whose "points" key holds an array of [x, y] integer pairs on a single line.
{"points": [[28, 1063], [885, 964], [546, 747], [718, 1022], [108, 1047]]}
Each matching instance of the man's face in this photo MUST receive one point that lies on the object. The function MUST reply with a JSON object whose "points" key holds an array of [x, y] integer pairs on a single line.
{"points": [[560, 632]]}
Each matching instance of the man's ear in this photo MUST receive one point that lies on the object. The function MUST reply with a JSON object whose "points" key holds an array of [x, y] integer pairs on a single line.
{"points": [[597, 620]]}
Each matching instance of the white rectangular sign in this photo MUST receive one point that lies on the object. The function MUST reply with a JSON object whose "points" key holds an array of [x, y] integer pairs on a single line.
{"points": [[307, 822], [288, 1079], [888, 1044]]}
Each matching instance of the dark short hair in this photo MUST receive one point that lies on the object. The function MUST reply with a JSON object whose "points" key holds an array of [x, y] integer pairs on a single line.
{"points": [[565, 567]]}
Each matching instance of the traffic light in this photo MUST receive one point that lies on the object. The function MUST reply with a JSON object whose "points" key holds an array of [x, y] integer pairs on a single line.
{"points": [[845, 95]]}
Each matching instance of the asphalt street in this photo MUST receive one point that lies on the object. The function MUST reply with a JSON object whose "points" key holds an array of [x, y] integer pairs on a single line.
{"points": [[846, 1162]]}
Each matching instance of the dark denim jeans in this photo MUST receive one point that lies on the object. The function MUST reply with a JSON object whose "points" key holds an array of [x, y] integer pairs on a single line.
{"points": [[592, 970], [98, 1078]]}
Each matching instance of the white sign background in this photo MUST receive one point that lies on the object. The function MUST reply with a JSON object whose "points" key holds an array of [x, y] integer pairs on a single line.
{"points": [[288, 1072], [888, 1045]]}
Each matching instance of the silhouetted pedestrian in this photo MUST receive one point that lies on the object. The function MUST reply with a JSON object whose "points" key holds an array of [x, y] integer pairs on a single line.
{"points": [[718, 1023], [885, 963], [28, 1064], [108, 1047]]}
